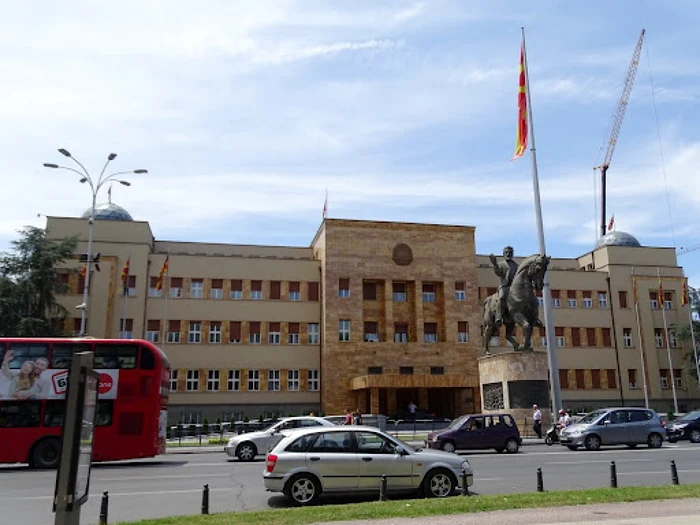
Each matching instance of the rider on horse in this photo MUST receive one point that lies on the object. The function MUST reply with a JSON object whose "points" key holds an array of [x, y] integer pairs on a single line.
{"points": [[505, 270]]}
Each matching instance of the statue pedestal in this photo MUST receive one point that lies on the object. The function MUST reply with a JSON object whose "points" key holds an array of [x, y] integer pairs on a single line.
{"points": [[514, 381]]}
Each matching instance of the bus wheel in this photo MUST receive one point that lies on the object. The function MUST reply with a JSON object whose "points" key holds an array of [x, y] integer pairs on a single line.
{"points": [[46, 454]]}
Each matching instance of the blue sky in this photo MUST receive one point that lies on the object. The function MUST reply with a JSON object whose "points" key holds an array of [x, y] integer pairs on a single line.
{"points": [[245, 112]]}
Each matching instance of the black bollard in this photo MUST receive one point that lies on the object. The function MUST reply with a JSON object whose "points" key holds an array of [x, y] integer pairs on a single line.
{"points": [[613, 475], [205, 500], [540, 481], [104, 506], [382, 488], [674, 473], [465, 487]]}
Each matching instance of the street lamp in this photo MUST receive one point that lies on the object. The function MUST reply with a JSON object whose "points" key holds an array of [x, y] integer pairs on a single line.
{"points": [[95, 187]]}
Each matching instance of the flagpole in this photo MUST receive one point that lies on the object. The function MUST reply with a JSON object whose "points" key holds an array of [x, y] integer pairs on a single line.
{"points": [[125, 286], [165, 302], [668, 343], [639, 336], [546, 292], [692, 338]]}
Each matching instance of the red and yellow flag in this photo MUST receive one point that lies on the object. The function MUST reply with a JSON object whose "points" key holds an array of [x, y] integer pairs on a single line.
{"points": [[163, 272], [661, 295], [612, 222], [521, 133], [83, 270], [684, 292], [125, 271]]}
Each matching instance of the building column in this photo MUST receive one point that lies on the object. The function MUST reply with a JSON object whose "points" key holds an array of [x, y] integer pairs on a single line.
{"points": [[374, 400], [391, 401], [423, 398]]}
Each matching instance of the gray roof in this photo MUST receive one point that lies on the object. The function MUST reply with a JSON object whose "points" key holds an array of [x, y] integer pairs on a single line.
{"points": [[617, 239], [108, 212]]}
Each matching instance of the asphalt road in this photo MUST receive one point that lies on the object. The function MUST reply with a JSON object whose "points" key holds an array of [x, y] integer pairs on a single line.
{"points": [[172, 484]]}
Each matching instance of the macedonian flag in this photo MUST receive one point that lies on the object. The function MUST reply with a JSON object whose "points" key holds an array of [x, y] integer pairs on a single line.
{"points": [[163, 272], [521, 132], [125, 271], [684, 293]]}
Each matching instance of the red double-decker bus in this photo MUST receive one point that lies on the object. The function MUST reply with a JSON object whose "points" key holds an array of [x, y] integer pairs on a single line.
{"points": [[132, 407]]}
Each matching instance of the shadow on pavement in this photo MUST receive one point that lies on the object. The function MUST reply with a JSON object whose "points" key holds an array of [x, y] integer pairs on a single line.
{"points": [[281, 502]]}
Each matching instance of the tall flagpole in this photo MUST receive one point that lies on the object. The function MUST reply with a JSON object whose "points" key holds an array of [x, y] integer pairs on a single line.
{"points": [[668, 344], [692, 338], [165, 302], [125, 283], [639, 336], [546, 292]]}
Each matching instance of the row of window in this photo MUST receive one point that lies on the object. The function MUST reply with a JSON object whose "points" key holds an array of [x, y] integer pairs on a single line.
{"points": [[588, 335], [401, 334], [400, 290], [215, 332], [579, 376], [572, 301], [233, 380]]}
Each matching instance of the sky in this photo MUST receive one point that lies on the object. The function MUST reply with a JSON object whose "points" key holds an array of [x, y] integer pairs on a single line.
{"points": [[245, 113]]}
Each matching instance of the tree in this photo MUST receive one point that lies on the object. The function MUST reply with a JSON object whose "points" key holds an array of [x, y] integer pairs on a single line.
{"points": [[29, 285], [684, 334]]}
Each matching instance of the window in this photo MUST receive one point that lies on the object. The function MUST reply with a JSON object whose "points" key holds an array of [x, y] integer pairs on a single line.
{"points": [[400, 332], [668, 300], [294, 293], [571, 299], [576, 337], [654, 300], [173, 332], [663, 378], [253, 380], [632, 377], [254, 336], [369, 291], [543, 338], [595, 379], [15, 414], [371, 333], [312, 291], [153, 330], [217, 289], [275, 290], [375, 370], [606, 337], [580, 378], [196, 289], [293, 336], [344, 330], [314, 380], [587, 300], [430, 334], [273, 380], [332, 442], [192, 381], [540, 301], [602, 300], [460, 291], [293, 380], [234, 332], [371, 443], [673, 339], [622, 298], [212, 380], [153, 290], [659, 337], [612, 378], [314, 334], [564, 378], [236, 289], [126, 328], [194, 335], [343, 287], [556, 298], [437, 370], [406, 370], [678, 377], [256, 290], [234, 380], [273, 335], [173, 380], [130, 286], [61, 355], [462, 332], [175, 287], [215, 332], [428, 292], [399, 292], [627, 337], [590, 337], [559, 337]]}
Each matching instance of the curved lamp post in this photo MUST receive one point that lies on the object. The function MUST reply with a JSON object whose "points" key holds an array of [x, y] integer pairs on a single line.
{"points": [[95, 187]]}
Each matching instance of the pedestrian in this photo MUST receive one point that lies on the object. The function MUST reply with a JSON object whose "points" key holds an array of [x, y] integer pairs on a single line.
{"points": [[357, 417], [537, 421], [412, 410], [348, 417]]}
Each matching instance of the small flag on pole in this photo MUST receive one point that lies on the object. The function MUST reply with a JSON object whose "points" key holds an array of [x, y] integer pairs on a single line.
{"points": [[661, 295], [83, 271], [163, 272], [521, 132], [611, 223], [125, 276], [684, 292], [325, 206]]}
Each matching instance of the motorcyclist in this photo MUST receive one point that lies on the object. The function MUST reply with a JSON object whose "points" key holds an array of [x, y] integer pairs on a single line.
{"points": [[564, 420]]}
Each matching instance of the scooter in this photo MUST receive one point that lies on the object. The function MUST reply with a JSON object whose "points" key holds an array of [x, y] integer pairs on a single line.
{"points": [[552, 435]]}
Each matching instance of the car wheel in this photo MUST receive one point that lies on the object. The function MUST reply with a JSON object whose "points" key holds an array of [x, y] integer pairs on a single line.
{"points": [[448, 446], [695, 436], [439, 483], [46, 454], [572, 447], [512, 446], [655, 440], [592, 442], [631, 445], [548, 441], [303, 489], [246, 451]]}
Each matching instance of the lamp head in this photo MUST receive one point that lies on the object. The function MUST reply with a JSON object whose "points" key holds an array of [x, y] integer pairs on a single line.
{"points": [[112, 156], [64, 151], [48, 165], [140, 171], [84, 179], [125, 182]]}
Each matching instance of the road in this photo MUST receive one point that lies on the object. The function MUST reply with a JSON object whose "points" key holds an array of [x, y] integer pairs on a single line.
{"points": [[172, 484]]}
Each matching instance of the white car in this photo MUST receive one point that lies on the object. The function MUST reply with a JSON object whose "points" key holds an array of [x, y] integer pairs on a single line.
{"points": [[246, 446], [352, 459]]}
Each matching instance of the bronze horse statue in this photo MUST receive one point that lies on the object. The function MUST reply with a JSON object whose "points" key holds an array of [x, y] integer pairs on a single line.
{"points": [[523, 307]]}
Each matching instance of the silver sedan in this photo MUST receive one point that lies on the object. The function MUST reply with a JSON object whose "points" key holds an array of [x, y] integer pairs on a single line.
{"points": [[353, 459]]}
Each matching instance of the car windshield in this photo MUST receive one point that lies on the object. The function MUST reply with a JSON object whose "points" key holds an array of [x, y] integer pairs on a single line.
{"points": [[590, 418], [273, 428], [691, 416], [457, 423], [406, 445]]}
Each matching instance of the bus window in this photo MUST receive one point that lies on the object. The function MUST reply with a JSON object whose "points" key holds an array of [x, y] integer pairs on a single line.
{"points": [[103, 413], [54, 412], [115, 356], [18, 353], [62, 353], [15, 414], [148, 361]]}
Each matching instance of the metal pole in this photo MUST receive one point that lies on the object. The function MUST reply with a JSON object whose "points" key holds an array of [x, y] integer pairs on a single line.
{"points": [[125, 291], [205, 499], [692, 338], [674, 473], [546, 292], [465, 486], [540, 481], [639, 336], [104, 508], [86, 287], [383, 488], [613, 475], [668, 345], [603, 198]]}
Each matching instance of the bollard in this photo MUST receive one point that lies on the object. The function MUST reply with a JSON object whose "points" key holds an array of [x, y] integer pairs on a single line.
{"points": [[613, 475], [674, 473], [382, 489], [205, 499], [104, 506], [540, 481], [465, 487]]}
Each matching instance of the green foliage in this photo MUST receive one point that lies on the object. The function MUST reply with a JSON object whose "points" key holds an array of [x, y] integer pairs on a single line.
{"points": [[29, 285], [205, 426], [670, 415], [245, 419], [260, 418]]}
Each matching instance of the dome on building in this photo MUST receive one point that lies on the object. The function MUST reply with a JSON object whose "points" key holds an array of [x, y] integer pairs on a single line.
{"points": [[617, 239], [108, 212]]}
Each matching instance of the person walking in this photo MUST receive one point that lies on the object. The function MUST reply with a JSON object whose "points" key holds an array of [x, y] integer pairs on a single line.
{"points": [[348, 417], [537, 421]]}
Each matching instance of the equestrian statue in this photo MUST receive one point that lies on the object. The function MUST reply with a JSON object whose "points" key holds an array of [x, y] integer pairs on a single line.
{"points": [[516, 300]]}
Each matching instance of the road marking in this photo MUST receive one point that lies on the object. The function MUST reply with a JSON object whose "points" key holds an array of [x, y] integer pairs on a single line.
{"points": [[597, 461], [656, 472], [120, 494], [97, 478]]}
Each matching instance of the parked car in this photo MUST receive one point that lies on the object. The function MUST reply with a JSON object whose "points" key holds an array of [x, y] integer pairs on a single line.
{"points": [[478, 431], [615, 426], [352, 459], [687, 427], [246, 446]]}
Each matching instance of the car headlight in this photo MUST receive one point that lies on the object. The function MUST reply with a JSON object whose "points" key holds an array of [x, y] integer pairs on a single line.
{"points": [[574, 433], [681, 425], [232, 442]]}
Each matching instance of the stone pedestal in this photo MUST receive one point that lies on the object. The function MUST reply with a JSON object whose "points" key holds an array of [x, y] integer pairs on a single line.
{"points": [[512, 382]]}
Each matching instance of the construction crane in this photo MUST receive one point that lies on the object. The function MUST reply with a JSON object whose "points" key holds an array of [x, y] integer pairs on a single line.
{"points": [[687, 249], [615, 126]]}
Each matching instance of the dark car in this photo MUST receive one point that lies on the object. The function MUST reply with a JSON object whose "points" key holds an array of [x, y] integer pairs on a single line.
{"points": [[687, 427], [478, 431]]}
